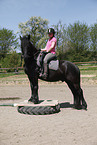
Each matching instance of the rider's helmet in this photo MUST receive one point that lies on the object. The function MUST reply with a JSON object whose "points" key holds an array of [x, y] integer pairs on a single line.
{"points": [[51, 30]]}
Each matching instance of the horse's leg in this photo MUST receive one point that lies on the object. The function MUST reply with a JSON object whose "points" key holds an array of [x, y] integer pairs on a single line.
{"points": [[34, 94], [79, 101], [84, 104], [34, 88], [79, 92], [75, 91]]}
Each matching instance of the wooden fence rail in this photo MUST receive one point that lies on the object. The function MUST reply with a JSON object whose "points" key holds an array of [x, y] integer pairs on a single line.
{"points": [[89, 62], [4, 70], [11, 68]]}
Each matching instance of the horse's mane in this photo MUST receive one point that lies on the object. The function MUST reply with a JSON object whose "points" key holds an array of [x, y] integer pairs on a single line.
{"points": [[35, 50]]}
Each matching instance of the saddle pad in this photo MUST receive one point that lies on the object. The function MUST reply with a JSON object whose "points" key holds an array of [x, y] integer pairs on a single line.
{"points": [[54, 65], [38, 61]]}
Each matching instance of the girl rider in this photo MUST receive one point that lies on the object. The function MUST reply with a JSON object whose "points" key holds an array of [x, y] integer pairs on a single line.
{"points": [[50, 48]]}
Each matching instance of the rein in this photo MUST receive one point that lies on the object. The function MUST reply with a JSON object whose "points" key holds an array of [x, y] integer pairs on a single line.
{"points": [[36, 54]]}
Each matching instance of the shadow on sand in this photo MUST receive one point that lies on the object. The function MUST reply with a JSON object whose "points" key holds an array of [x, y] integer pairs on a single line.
{"points": [[66, 105]]}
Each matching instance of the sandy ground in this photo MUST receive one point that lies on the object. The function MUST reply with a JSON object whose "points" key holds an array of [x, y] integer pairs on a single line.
{"points": [[68, 127]]}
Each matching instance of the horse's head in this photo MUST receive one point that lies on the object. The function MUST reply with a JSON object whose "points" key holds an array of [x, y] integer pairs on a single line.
{"points": [[27, 47]]}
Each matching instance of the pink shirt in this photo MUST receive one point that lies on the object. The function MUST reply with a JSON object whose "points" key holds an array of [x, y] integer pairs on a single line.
{"points": [[48, 45]]}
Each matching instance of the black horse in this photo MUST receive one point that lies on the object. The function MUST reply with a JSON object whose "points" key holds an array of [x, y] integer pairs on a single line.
{"points": [[66, 71]]}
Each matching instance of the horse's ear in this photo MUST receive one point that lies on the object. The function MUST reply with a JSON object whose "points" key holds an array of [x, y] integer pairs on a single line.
{"points": [[28, 37], [20, 38]]}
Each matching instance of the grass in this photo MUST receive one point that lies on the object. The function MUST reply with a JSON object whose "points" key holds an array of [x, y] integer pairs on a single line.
{"points": [[2, 75], [88, 76], [88, 70], [85, 70]]}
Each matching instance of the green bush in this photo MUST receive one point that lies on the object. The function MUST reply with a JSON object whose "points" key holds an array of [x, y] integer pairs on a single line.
{"points": [[10, 61]]}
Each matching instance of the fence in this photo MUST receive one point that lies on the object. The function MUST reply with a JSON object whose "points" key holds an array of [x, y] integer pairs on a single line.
{"points": [[89, 62], [17, 69], [7, 70]]}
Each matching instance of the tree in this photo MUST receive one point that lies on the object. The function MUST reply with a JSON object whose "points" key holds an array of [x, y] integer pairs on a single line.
{"points": [[78, 40], [8, 41], [61, 36], [78, 35], [37, 28], [12, 60], [93, 36]]}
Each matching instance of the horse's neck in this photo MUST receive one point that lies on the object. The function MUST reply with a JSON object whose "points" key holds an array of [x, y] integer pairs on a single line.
{"points": [[35, 50], [36, 54], [29, 61]]}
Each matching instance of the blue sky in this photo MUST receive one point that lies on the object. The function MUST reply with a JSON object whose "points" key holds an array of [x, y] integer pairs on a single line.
{"points": [[13, 12]]}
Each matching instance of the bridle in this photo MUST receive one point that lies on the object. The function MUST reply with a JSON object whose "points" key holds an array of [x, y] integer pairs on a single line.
{"points": [[35, 54]]}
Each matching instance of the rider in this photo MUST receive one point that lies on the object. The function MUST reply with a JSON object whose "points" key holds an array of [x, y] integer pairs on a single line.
{"points": [[50, 48]]}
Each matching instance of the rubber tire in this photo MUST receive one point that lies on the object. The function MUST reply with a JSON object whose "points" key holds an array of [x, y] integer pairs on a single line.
{"points": [[38, 110]]}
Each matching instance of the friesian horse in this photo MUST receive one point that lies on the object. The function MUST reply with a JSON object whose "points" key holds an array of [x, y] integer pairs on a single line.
{"points": [[67, 71]]}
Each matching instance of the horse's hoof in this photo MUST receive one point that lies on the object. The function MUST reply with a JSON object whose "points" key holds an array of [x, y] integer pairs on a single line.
{"points": [[35, 101], [84, 108], [78, 107]]}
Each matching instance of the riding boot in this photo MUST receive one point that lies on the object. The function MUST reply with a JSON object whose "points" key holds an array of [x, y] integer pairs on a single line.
{"points": [[45, 74]]}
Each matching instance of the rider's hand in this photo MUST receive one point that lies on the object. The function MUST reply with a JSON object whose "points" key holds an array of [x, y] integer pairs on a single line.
{"points": [[43, 49]]}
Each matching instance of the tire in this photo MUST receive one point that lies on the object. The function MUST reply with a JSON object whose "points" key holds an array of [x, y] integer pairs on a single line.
{"points": [[38, 110]]}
